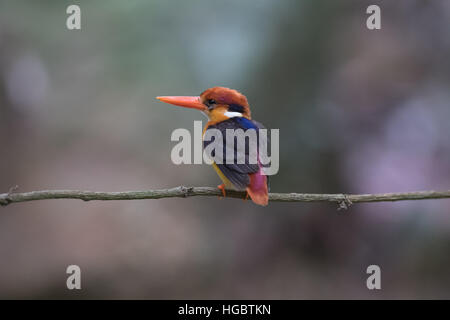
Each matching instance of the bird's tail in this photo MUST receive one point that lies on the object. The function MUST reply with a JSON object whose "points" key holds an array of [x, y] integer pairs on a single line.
{"points": [[257, 189]]}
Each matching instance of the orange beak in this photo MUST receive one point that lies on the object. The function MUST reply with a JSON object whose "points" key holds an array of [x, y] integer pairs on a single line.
{"points": [[186, 102]]}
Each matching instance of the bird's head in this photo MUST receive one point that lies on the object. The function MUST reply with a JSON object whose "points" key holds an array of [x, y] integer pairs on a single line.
{"points": [[217, 103]]}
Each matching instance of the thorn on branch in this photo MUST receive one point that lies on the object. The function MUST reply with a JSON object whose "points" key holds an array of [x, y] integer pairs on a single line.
{"points": [[345, 203], [13, 189]]}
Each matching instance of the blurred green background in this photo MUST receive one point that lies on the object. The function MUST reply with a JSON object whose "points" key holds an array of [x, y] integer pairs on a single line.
{"points": [[359, 111]]}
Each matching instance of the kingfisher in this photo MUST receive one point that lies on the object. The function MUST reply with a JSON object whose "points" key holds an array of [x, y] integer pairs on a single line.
{"points": [[229, 109]]}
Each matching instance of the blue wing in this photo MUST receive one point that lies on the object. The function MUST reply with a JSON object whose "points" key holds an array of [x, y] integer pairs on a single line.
{"points": [[238, 174]]}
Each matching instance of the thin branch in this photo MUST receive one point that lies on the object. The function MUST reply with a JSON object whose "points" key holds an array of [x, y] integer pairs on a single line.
{"points": [[343, 200]]}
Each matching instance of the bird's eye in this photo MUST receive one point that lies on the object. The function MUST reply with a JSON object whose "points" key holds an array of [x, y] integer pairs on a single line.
{"points": [[211, 101]]}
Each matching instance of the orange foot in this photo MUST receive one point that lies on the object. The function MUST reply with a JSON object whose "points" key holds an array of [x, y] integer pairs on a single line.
{"points": [[246, 196], [222, 188]]}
